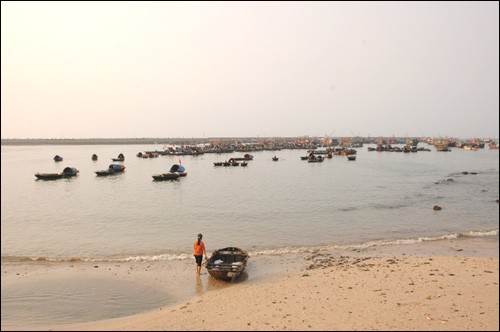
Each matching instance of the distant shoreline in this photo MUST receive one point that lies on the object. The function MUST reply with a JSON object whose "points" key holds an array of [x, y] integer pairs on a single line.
{"points": [[185, 140], [108, 141]]}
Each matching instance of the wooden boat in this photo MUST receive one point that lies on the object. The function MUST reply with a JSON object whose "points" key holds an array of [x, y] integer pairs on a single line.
{"points": [[275, 158], [304, 158], [441, 144], [49, 176], [121, 157], [244, 164], [471, 147], [112, 169], [218, 164], [58, 158], [315, 159], [412, 142], [245, 157], [166, 177], [351, 157], [227, 263], [66, 173], [94, 157]]}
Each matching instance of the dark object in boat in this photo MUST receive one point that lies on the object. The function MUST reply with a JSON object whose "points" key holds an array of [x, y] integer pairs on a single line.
{"points": [[70, 171], [94, 157], [227, 263], [58, 158], [112, 169], [121, 157], [165, 176], [178, 169], [233, 162]]}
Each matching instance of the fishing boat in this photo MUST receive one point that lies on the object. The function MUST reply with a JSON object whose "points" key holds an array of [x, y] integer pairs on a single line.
{"points": [[66, 173], [121, 157], [315, 159], [441, 144], [112, 169], [351, 157], [227, 263], [275, 158], [471, 147], [412, 142], [166, 177], [48, 176], [245, 157]]}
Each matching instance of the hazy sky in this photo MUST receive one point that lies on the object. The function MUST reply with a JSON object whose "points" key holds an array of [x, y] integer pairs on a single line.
{"points": [[221, 69]]}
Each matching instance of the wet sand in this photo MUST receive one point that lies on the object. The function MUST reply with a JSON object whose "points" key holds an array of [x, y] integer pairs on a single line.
{"points": [[438, 285]]}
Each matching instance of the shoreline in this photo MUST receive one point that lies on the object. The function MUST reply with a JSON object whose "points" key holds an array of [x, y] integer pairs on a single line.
{"points": [[327, 283], [411, 287]]}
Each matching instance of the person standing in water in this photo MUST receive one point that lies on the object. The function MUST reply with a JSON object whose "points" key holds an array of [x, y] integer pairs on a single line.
{"points": [[199, 252]]}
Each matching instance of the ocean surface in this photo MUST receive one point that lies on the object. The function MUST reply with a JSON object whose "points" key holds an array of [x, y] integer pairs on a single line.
{"points": [[267, 208]]}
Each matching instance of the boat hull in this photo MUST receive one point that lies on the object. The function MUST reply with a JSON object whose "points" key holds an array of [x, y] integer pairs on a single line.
{"points": [[165, 177], [107, 172], [48, 176], [227, 263]]}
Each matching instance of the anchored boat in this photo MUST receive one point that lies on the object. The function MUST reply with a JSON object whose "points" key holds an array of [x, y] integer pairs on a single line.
{"points": [[227, 263]]}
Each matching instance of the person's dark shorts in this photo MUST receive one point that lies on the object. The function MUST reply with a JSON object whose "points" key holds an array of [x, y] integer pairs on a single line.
{"points": [[198, 259]]}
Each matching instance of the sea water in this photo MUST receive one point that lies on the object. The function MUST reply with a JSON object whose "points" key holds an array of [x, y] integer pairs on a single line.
{"points": [[269, 208]]}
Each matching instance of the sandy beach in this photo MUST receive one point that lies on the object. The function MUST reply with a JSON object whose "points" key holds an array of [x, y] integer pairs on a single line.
{"points": [[444, 285]]}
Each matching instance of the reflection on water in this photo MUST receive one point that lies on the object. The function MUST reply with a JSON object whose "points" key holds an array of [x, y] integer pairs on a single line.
{"points": [[77, 300], [199, 285]]}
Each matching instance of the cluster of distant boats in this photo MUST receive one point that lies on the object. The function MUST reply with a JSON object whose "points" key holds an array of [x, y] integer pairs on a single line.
{"points": [[236, 161], [313, 156]]}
